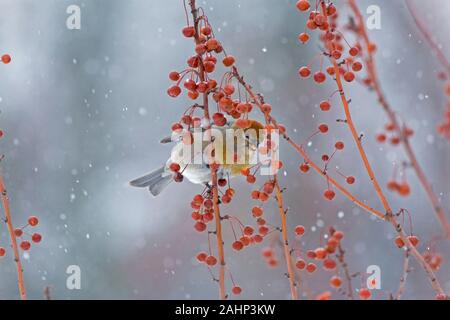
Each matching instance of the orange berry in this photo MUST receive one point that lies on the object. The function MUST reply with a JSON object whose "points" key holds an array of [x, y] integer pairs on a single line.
{"points": [[303, 5], [319, 77], [335, 281], [33, 221], [399, 242], [304, 167], [365, 294], [325, 106], [350, 180], [299, 230], [201, 257], [174, 91], [236, 290], [25, 245], [414, 240], [311, 268], [300, 264], [200, 226], [238, 245], [329, 194], [304, 72], [211, 260], [6, 58], [349, 76], [303, 37], [228, 61]]}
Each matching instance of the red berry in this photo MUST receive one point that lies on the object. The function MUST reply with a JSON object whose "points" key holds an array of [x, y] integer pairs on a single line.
{"points": [[188, 31], [321, 253], [300, 264], [319, 77], [381, 137], [174, 167], [36, 237], [303, 37], [339, 145], [206, 30], [365, 294], [349, 76], [211, 260], [200, 226], [350, 180], [299, 230], [174, 76], [339, 235], [257, 212], [6, 58], [303, 5], [414, 240], [248, 231], [228, 61], [399, 242], [25, 245], [267, 252], [329, 194], [18, 232], [174, 91], [323, 128], [329, 264], [304, 167], [201, 257], [238, 245], [311, 268], [2, 252], [251, 179], [325, 106], [335, 281], [33, 221], [357, 66], [304, 72], [354, 51], [236, 290]]}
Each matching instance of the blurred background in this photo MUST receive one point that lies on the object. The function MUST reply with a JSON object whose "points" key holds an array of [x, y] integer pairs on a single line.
{"points": [[83, 112]]}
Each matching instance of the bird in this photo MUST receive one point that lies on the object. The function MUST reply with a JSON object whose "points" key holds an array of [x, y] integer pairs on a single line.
{"points": [[242, 150]]}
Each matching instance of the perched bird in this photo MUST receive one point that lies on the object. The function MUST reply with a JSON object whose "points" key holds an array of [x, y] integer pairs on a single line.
{"points": [[239, 145]]}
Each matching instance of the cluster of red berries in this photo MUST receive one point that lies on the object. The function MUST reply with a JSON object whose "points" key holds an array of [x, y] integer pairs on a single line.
{"points": [[402, 188], [325, 20], [413, 239], [25, 245], [270, 257], [203, 210], [321, 254], [390, 135], [433, 259]]}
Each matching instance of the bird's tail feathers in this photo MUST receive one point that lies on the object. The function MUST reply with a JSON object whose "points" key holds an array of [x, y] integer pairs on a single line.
{"points": [[156, 181]]}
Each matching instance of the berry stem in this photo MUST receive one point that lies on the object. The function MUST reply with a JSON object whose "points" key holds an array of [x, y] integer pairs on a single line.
{"points": [[371, 70], [389, 215], [287, 250], [8, 220], [304, 154], [341, 258], [406, 271], [214, 186], [429, 38]]}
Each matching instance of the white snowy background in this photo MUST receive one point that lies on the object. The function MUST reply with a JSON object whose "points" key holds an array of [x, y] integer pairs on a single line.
{"points": [[83, 111]]}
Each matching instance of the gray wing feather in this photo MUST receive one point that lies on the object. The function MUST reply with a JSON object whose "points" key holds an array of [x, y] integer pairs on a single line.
{"points": [[147, 180], [159, 185]]}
